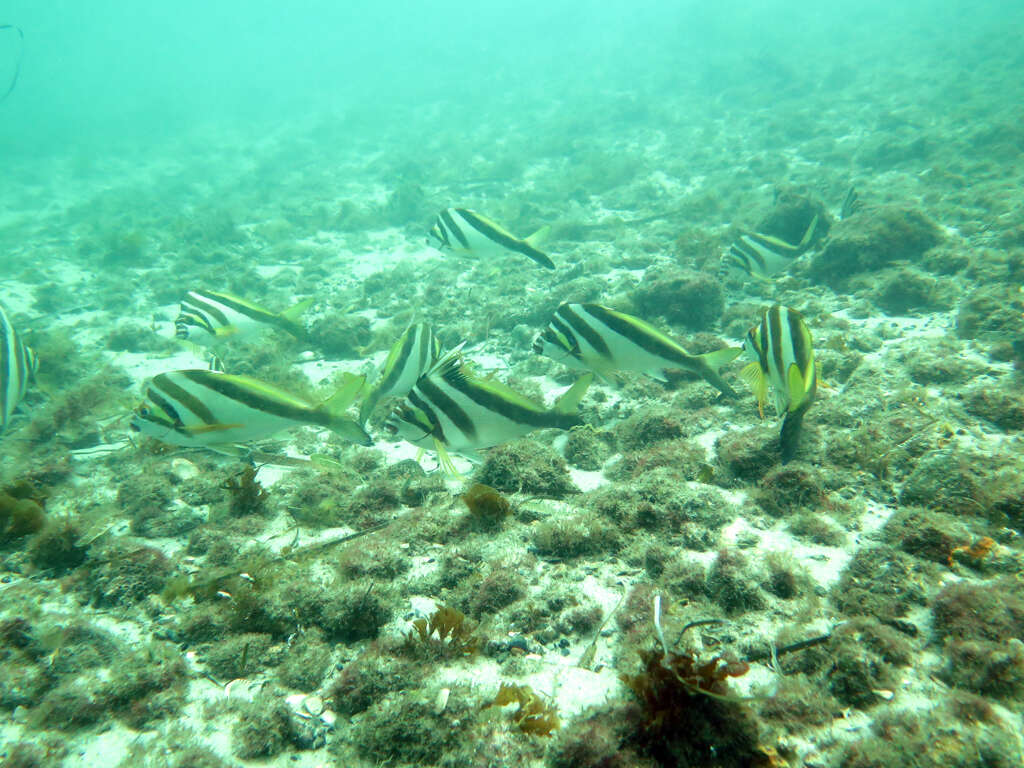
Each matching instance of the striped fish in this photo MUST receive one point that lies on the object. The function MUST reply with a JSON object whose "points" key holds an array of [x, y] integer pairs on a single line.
{"points": [[412, 355], [206, 317], [782, 357], [18, 364], [465, 231], [851, 204], [204, 408], [761, 256], [451, 410], [599, 339]]}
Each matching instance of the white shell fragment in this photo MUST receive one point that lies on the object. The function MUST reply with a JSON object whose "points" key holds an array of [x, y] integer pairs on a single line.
{"points": [[328, 718], [183, 469], [314, 705], [442, 700]]}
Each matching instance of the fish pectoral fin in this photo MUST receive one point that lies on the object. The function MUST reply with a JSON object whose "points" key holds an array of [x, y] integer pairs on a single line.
{"points": [[797, 387], [570, 401], [226, 331], [758, 383], [538, 238], [206, 429]]}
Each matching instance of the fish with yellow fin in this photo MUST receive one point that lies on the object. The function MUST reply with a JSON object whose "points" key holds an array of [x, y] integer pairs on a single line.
{"points": [[782, 362]]}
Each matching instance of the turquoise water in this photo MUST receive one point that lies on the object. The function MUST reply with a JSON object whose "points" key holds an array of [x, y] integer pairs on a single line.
{"points": [[650, 568]]}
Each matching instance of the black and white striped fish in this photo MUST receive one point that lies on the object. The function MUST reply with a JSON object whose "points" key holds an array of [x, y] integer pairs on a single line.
{"points": [[451, 410], [599, 339], [18, 364], [761, 256], [466, 231], [783, 360], [851, 204], [206, 317], [415, 352], [204, 408]]}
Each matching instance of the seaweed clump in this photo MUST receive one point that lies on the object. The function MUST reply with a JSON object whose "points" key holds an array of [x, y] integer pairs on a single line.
{"points": [[688, 715], [247, 496], [21, 512], [446, 634], [487, 508], [534, 715]]}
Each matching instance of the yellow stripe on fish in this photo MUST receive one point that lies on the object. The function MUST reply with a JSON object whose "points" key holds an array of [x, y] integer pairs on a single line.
{"points": [[204, 408], [782, 354], [465, 231], [596, 338]]}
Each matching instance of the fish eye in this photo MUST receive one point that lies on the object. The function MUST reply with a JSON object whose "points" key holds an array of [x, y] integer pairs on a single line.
{"points": [[144, 411]]}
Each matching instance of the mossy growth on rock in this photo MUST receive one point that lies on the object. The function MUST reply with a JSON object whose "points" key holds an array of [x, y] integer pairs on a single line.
{"points": [[567, 537], [948, 480], [587, 449], [991, 311], [790, 488], [749, 454], [905, 290], [693, 299], [526, 466], [1000, 405], [882, 582], [264, 728], [731, 584], [866, 243]]}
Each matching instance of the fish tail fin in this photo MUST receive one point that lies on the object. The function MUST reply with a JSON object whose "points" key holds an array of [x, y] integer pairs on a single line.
{"points": [[290, 318], [789, 438], [294, 312], [366, 407], [533, 251], [538, 238], [337, 405], [570, 401], [715, 360]]}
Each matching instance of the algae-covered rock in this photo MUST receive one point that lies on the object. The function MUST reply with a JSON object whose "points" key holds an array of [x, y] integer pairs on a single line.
{"points": [[1003, 406], [947, 480], [872, 240], [906, 289], [991, 311], [525, 466], [692, 299]]}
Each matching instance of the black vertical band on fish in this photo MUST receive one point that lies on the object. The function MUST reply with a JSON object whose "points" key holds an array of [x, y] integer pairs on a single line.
{"points": [[449, 224], [580, 326]]}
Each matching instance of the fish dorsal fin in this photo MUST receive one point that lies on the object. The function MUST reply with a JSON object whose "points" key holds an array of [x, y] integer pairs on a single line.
{"points": [[570, 400], [449, 365], [538, 238]]}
